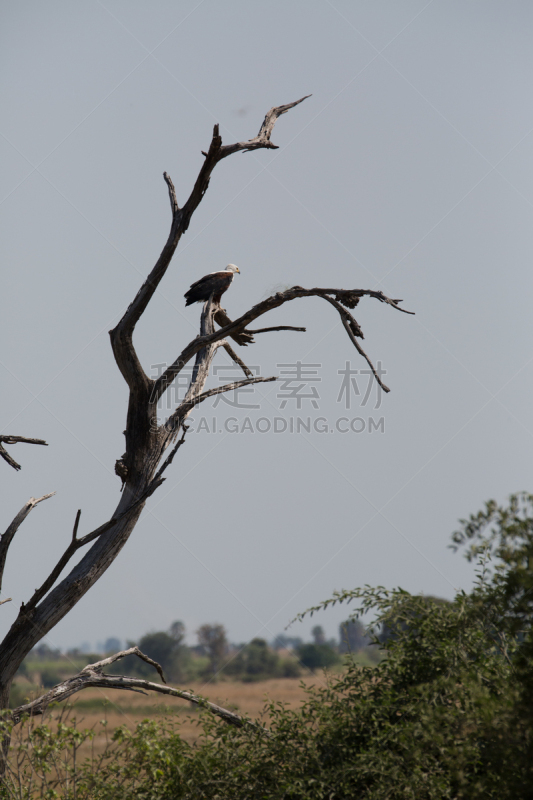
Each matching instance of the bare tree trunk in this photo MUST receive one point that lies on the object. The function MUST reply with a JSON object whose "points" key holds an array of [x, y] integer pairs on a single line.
{"points": [[146, 441]]}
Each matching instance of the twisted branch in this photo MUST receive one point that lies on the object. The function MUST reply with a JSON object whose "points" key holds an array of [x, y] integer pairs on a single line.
{"points": [[342, 297], [92, 676]]}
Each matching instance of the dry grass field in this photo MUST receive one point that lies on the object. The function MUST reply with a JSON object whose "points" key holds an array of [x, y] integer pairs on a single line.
{"points": [[126, 708], [116, 708], [104, 711]]}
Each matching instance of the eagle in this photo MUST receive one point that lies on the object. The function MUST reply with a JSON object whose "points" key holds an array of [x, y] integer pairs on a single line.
{"points": [[215, 283]]}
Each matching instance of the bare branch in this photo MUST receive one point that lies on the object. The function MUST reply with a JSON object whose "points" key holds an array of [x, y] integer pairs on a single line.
{"points": [[11, 461], [14, 440], [243, 338], [52, 578], [186, 407], [7, 537], [360, 350], [89, 537], [343, 297], [352, 329], [7, 600], [350, 297], [160, 386], [121, 335], [170, 458], [204, 357], [132, 651], [76, 523], [229, 387], [93, 680], [174, 208], [265, 131], [76, 543], [25, 439], [91, 676], [240, 363], [276, 328]]}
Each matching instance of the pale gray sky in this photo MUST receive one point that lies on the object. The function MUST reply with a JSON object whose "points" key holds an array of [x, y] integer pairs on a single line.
{"points": [[408, 170]]}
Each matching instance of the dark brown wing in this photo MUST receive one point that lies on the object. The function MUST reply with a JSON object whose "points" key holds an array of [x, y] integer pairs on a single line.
{"points": [[201, 291]]}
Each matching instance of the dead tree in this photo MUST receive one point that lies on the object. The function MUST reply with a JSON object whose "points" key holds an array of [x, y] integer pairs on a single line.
{"points": [[152, 445]]}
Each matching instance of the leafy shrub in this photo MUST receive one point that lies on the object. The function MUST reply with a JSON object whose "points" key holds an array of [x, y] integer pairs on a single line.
{"points": [[254, 662], [317, 656], [446, 714], [290, 668]]}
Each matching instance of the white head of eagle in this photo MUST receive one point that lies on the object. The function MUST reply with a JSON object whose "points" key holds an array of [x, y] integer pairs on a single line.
{"points": [[215, 283]]}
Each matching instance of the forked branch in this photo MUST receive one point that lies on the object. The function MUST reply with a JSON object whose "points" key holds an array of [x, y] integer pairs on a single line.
{"points": [[92, 676], [240, 363], [121, 336], [340, 299], [76, 543], [15, 440], [185, 408]]}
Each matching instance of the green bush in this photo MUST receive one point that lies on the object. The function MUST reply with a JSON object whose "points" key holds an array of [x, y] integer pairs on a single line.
{"points": [[447, 713], [254, 662], [317, 656], [290, 668]]}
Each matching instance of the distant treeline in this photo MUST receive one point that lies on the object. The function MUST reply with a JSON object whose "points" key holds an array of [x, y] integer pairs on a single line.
{"points": [[213, 657]]}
